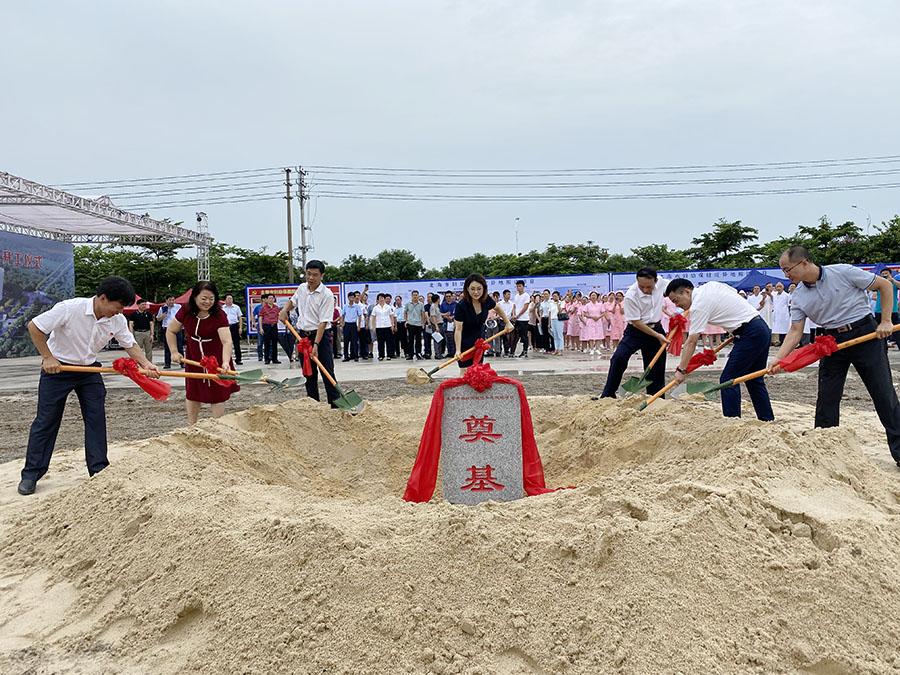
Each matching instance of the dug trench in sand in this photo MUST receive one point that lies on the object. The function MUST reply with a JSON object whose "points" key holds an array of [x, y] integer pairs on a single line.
{"points": [[275, 540]]}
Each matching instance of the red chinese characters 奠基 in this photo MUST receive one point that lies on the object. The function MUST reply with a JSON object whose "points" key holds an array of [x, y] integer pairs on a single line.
{"points": [[481, 479], [479, 429]]}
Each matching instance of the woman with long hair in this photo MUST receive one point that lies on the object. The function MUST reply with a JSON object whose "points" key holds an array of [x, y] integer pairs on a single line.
{"points": [[206, 333], [471, 313]]}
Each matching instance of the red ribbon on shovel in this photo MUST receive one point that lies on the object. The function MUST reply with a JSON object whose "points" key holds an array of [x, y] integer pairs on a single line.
{"points": [[130, 369], [304, 349], [211, 364], [481, 346], [677, 325], [824, 345], [705, 358]]}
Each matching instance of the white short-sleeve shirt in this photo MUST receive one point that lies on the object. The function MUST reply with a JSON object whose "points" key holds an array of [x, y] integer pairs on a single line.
{"points": [[383, 314], [638, 306], [313, 307], [718, 304], [77, 335]]}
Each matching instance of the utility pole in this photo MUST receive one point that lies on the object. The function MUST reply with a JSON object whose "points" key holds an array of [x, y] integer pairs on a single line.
{"points": [[517, 235], [290, 242], [304, 196]]}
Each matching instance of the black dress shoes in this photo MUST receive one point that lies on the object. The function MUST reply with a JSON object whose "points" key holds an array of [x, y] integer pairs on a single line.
{"points": [[26, 486]]}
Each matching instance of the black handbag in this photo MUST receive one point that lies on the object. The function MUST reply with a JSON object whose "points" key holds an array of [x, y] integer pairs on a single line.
{"points": [[563, 316]]}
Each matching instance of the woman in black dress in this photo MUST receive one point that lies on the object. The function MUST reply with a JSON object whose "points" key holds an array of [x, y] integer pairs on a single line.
{"points": [[471, 313]]}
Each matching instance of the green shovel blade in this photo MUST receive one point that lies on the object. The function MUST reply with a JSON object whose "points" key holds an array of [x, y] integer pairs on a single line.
{"points": [[635, 384]]}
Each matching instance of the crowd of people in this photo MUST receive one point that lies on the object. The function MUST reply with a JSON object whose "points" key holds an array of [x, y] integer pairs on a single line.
{"points": [[842, 301]]}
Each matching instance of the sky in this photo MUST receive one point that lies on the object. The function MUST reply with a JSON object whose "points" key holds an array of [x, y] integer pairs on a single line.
{"points": [[106, 91]]}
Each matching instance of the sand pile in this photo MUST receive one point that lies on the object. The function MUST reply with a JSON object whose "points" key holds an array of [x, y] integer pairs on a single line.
{"points": [[276, 541]]}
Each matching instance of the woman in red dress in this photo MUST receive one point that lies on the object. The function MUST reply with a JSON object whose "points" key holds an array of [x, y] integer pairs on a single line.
{"points": [[206, 333]]}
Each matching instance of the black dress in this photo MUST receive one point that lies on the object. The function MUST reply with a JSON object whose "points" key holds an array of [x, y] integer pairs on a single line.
{"points": [[472, 323]]}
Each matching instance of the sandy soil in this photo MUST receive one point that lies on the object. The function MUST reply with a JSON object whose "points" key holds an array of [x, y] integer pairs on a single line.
{"points": [[275, 540], [132, 415]]}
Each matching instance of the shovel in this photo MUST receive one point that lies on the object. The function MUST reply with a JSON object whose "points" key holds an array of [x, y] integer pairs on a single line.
{"points": [[635, 384], [349, 400], [665, 390], [422, 376], [709, 389], [244, 377]]}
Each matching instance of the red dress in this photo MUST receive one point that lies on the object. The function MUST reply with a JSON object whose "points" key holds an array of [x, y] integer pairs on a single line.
{"points": [[201, 338]]}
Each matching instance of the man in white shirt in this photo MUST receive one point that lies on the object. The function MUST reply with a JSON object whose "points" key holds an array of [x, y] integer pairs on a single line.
{"points": [[521, 305], [165, 315], [385, 323], [71, 333], [642, 307], [315, 311], [507, 306], [235, 324], [718, 304], [755, 299]]}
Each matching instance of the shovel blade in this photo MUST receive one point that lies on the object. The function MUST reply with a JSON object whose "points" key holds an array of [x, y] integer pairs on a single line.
{"points": [[705, 388], [635, 384], [350, 401], [250, 375], [417, 376]]}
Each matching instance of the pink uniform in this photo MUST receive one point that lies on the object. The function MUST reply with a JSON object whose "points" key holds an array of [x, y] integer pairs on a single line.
{"points": [[617, 321], [573, 325], [593, 326]]}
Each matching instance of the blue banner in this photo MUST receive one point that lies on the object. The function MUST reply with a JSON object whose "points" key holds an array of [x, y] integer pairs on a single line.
{"points": [[35, 274]]}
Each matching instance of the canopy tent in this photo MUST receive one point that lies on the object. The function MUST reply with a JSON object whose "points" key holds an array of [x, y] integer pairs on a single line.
{"points": [[37, 210], [757, 278]]}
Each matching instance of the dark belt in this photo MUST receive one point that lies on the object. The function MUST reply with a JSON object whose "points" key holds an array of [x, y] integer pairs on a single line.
{"points": [[307, 333], [141, 331], [847, 327], [740, 329]]}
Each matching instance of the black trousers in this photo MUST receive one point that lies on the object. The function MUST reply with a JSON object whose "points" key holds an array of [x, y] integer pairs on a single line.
{"points": [[634, 340], [167, 355], [365, 342], [414, 341], [401, 340], [326, 358], [385, 342], [520, 334], [547, 336], [351, 341], [427, 340], [871, 363], [235, 329], [749, 353], [53, 390], [270, 342]]}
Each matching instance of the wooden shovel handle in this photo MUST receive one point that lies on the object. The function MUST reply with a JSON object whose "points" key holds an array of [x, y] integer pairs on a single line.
{"points": [[468, 352], [863, 338], [99, 369], [673, 383], [197, 364], [314, 358]]}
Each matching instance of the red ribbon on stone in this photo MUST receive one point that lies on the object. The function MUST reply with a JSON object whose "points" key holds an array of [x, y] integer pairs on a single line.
{"points": [[677, 326], [304, 349], [481, 346], [705, 358], [422, 478], [130, 369], [825, 345], [211, 365]]}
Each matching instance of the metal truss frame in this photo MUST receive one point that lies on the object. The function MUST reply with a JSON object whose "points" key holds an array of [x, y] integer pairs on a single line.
{"points": [[151, 231]]}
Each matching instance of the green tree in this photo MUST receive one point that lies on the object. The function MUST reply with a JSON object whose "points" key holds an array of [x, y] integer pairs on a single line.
{"points": [[661, 257], [728, 245], [460, 268]]}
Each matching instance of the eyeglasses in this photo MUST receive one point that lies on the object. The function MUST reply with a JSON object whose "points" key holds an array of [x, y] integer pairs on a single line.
{"points": [[788, 270]]}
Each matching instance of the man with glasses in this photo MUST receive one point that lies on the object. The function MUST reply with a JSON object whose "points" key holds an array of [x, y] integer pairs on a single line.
{"points": [[835, 297]]}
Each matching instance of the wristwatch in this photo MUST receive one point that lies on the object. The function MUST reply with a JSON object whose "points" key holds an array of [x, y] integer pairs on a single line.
{"points": [[679, 369]]}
